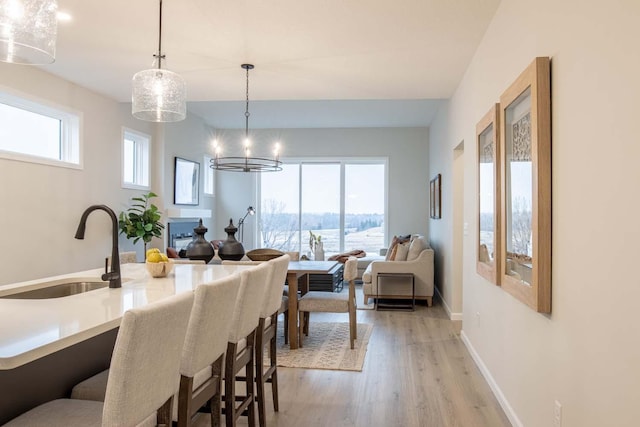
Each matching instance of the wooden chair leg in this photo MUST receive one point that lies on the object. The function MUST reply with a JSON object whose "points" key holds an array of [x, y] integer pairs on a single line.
{"points": [[307, 316], [230, 386], [163, 416], [353, 331], [286, 327], [301, 329], [260, 344], [215, 402], [274, 376]]}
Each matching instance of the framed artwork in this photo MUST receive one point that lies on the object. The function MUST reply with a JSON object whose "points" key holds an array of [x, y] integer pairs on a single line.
{"points": [[487, 139], [525, 183], [186, 185], [434, 199]]}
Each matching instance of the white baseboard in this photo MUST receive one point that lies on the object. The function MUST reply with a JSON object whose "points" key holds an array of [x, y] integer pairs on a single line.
{"points": [[452, 316], [506, 407]]}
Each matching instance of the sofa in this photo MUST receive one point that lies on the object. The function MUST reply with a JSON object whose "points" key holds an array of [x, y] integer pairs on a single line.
{"points": [[413, 256]]}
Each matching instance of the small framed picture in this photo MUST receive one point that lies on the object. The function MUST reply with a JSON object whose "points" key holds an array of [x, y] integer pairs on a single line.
{"points": [[186, 189], [434, 198]]}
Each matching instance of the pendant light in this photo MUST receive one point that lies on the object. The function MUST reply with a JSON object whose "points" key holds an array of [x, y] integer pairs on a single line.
{"points": [[28, 30], [159, 95], [246, 163]]}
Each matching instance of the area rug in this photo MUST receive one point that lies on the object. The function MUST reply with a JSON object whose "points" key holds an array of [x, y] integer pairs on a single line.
{"points": [[326, 347]]}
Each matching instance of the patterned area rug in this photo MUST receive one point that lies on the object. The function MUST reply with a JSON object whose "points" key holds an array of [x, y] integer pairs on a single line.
{"points": [[326, 347]]}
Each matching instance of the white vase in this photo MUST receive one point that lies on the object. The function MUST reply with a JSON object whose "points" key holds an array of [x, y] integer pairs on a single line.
{"points": [[318, 255]]}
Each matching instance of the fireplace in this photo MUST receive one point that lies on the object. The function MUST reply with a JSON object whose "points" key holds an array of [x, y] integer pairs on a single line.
{"points": [[180, 234]]}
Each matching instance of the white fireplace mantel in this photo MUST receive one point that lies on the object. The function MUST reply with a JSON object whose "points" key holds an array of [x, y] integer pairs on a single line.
{"points": [[188, 213]]}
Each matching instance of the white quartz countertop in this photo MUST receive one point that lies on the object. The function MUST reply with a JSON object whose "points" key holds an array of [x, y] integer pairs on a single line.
{"points": [[33, 328]]}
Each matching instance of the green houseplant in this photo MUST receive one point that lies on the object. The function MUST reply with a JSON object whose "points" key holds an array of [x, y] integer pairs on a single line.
{"points": [[141, 220]]}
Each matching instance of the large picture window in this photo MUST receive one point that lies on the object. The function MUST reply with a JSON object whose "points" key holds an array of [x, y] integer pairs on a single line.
{"points": [[343, 202]]}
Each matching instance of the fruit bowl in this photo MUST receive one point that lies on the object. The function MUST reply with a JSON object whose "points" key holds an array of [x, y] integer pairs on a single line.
{"points": [[159, 269]]}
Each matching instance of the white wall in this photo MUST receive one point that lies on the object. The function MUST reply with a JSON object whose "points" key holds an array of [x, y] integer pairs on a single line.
{"points": [[189, 139], [406, 149], [586, 353], [40, 206]]}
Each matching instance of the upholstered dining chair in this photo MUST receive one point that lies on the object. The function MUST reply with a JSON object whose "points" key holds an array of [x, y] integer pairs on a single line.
{"points": [[202, 359], [266, 335], [331, 302], [143, 378], [241, 343]]}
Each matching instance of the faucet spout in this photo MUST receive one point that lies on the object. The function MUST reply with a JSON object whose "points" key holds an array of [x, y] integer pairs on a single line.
{"points": [[112, 276]]}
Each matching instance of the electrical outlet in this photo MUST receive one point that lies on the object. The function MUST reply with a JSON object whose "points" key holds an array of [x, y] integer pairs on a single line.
{"points": [[557, 414]]}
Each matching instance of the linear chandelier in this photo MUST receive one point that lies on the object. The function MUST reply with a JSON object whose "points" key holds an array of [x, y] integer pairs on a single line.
{"points": [[246, 163], [159, 95], [28, 30]]}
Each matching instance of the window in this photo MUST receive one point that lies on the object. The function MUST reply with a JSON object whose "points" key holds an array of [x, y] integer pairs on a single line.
{"points": [[342, 201], [35, 132], [135, 159], [209, 178]]}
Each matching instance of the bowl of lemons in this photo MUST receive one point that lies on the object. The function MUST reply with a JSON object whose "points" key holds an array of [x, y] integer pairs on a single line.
{"points": [[158, 264]]}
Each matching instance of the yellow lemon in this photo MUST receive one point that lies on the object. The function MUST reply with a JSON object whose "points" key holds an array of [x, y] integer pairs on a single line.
{"points": [[154, 257], [152, 251], [165, 258]]}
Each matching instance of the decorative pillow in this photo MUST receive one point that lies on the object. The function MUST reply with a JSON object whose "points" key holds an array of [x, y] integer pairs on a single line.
{"points": [[392, 246], [172, 253], [402, 251], [416, 247], [392, 255]]}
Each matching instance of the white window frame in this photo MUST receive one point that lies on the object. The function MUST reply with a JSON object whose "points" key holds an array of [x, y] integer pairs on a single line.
{"points": [[71, 151], [209, 177], [342, 161], [142, 160]]}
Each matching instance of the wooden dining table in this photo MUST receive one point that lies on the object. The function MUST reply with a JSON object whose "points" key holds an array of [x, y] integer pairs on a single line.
{"points": [[296, 270]]}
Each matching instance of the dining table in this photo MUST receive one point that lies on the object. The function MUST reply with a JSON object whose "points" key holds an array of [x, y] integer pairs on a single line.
{"points": [[298, 269]]}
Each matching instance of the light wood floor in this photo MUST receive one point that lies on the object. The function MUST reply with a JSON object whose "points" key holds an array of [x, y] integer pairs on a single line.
{"points": [[417, 372]]}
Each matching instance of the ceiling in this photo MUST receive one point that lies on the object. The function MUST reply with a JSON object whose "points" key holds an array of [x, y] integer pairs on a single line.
{"points": [[329, 63]]}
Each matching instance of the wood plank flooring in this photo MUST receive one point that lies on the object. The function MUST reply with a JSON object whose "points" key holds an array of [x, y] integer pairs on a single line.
{"points": [[417, 372]]}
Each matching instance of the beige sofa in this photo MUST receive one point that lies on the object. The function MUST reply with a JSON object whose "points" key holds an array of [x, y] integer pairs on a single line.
{"points": [[419, 261]]}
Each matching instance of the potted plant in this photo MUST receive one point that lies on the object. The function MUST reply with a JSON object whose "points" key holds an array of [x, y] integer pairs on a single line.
{"points": [[316, 246], [141, 220]]}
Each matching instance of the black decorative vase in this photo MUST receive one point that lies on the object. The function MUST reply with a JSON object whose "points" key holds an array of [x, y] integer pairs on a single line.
{"points": [[231, 249], [199, 248]]}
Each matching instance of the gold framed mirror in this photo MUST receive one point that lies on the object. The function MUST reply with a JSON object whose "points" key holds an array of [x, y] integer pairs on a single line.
{"points": [[525, 162], [487, 139]]}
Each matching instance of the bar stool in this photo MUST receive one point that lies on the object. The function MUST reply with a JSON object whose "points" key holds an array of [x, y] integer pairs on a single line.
{"points": [[332, 302], [143, 377], [202, 356], [266, 334], [241, 343], [204, 348]]}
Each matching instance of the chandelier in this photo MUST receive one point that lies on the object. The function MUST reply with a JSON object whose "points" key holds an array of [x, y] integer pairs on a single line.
{"points": [[159, 95], [28, 31], [246, 163]]}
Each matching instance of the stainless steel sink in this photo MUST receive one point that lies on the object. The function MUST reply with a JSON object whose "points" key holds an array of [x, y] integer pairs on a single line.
{"points": [[58, 291]]}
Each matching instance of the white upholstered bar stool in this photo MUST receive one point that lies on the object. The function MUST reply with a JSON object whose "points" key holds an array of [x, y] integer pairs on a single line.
{"points": [[331, 302], [241, 343], [205, 344], [143, 378], [266, 335], [202, 359]]}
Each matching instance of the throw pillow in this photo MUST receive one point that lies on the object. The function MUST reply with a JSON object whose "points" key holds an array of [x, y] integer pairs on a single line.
{"points": [[417, 246], [402, 251], [392, 247], [172, 253]]}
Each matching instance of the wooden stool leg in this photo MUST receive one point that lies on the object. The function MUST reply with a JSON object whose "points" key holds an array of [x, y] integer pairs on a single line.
{"points": [[300, 328]]}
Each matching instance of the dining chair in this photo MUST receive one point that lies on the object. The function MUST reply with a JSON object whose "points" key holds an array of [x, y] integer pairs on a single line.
{"points": [[241, 343], [331, 302], [266, 335], [143, 378], [202, 358]]}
